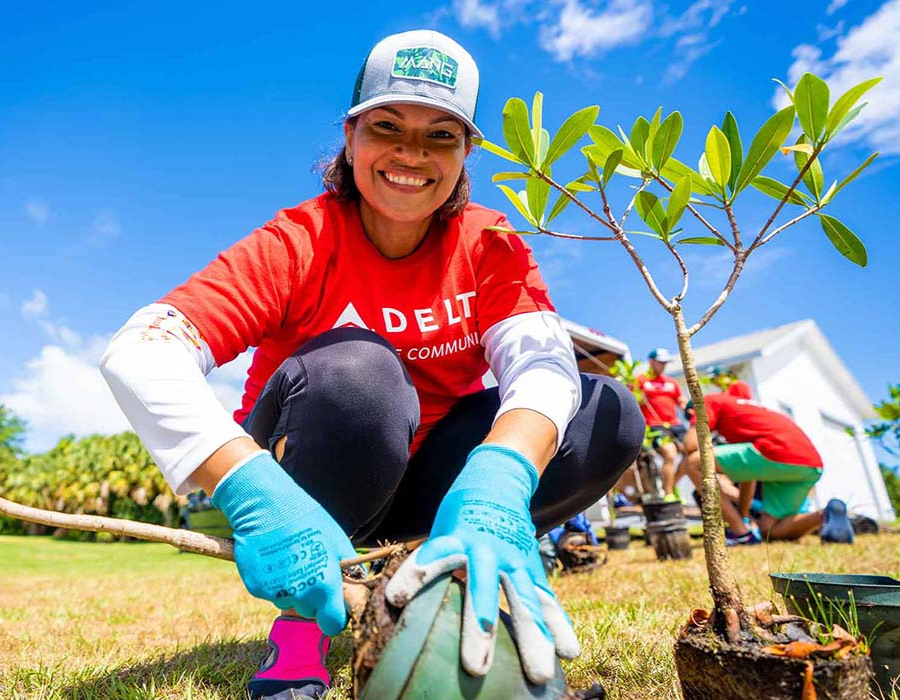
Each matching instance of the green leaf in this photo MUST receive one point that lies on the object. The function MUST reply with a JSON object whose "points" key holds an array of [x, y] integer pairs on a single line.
{"points": [[516, 129], [700, 240], [630, 153], [706, 172], [665, 140], [545, 147], [786, 89], [650, 209], [502, 177], [814, 178], [645, 233], [537, 116], [561, 203], [777, 190], [537, 191], [718, 156], [579, 186], [518, 204], [851, 115], [607, 142], [847, 243], [640, 132], [612, 162], [498, 150], [571, 132], [674, 170], [844, 104], [852, 176], [765, 144], [731, 131], [811, 98], [829, 193], [502, 229], [678, 200]]}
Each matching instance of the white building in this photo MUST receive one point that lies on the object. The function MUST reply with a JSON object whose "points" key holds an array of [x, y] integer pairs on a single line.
{"points": [[794, 369]]}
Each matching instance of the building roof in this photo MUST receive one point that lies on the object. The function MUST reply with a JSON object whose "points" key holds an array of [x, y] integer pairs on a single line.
{"points": [[593, 340], [744, 348]]}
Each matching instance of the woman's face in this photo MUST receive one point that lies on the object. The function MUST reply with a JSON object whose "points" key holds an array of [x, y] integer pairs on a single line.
{"points": [[406, 159]]}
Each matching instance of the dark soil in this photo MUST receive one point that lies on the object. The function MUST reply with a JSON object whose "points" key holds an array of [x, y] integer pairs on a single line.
{"points": [[711, 669]]}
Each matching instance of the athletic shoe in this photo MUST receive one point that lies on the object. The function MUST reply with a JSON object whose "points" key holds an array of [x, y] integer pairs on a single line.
{"points": [[294, 668], [836, 526], [671, 498], [749, 537]]}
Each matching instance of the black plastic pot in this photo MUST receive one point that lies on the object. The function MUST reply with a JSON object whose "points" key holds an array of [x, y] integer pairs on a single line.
{"points": [[877, 600], [618, 536], [667, 530]]}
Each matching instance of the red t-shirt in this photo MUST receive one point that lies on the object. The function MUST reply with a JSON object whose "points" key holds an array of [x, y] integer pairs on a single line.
{"points": [[775, 435], [661, 395], [312, 268], [739, 390]]}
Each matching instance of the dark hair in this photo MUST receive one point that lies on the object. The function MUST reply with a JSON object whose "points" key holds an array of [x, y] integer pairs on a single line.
{"points": [[337, 177]]}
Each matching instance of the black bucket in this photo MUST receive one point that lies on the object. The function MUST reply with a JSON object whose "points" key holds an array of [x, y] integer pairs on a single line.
{"points": [[670, 538], [655, 511], [618, 536]]}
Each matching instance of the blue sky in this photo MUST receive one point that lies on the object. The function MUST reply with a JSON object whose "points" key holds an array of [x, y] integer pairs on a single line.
{"points": [[139, 139]]}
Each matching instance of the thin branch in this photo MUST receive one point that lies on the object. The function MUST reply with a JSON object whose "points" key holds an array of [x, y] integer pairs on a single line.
{"points": [[712, 229], [684, 272], [735, 231], [739, 258], [556, 234], [790, 223], [630, 206], [562, 190], [787, 195]]}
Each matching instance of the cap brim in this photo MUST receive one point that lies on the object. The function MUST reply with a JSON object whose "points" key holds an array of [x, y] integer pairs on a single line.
{"points": [[382, 100]]}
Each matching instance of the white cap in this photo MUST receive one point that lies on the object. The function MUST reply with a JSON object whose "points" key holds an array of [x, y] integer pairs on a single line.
{"points": [[660, 355], [420, 67]]}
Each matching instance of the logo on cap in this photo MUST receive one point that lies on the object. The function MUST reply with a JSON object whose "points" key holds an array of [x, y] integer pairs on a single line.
{"points": [[425, 63]]}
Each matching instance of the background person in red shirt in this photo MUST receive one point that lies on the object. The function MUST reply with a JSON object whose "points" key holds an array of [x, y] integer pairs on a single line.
{"points": [[764, 446], [728, 383], [661, 398]]}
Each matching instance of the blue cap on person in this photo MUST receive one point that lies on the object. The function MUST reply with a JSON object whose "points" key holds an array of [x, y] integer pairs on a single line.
{"points": [[660, 355], [421, 67]]}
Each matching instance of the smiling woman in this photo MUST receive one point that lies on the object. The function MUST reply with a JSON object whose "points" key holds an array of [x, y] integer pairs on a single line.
{"points": [[376, 309]]}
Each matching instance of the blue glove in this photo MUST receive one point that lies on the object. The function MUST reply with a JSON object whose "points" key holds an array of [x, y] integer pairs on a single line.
{"points": [[286, 546], [484, 524]]}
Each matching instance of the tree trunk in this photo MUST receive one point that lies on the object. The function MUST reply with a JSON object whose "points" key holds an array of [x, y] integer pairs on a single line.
{"points": [[728, 608]]}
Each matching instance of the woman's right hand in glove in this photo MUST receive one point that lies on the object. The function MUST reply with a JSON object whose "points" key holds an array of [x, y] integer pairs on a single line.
{"points": [[287, 547]]}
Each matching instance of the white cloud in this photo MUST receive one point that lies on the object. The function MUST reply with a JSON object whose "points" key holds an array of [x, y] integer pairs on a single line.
{"points": [[61, 390], [475, 13], [37, 210], [834, 6], [867, 50], [826, 33], [36, 306], [104, 226], [710, 270], [692, 28], [579, 30]]}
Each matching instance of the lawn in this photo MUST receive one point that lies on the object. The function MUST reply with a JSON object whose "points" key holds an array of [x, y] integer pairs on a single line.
{"points": [[83, 621]]}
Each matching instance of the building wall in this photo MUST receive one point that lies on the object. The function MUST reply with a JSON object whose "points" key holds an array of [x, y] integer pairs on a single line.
{"points": [[792, 381]]}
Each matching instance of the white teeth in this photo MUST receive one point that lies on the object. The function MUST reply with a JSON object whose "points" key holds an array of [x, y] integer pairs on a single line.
{"points": [[405, 180]]}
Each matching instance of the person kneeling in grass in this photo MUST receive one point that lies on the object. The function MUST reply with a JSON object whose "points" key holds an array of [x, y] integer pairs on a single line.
{"points": [[768, 447]]}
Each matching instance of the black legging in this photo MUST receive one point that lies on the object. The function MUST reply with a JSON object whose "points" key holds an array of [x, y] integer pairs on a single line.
{"points": [[349, 410]]}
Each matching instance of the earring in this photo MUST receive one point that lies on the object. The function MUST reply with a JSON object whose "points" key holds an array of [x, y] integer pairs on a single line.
{"points": [[349, 159]]}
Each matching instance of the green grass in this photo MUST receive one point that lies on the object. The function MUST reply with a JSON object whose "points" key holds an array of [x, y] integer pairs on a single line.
{"points": [[82, 621]]}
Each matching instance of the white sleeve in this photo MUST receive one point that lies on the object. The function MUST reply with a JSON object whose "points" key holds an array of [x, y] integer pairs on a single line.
{"points": [[156, 366], [532, 358]]}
